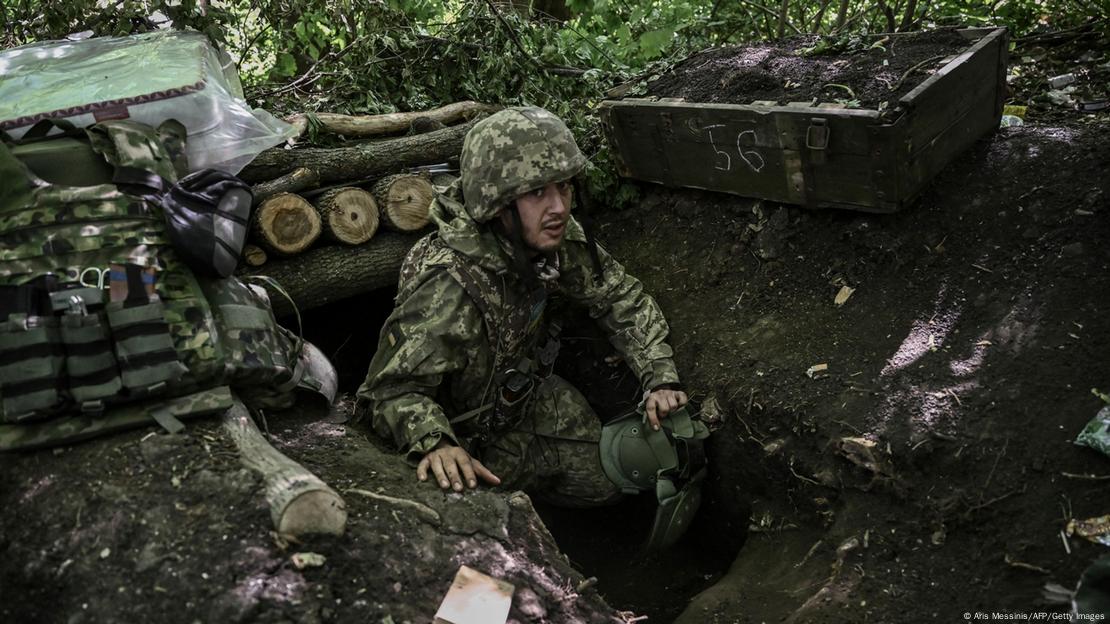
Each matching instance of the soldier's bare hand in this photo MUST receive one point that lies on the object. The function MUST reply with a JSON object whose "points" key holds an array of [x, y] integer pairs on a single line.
{"points": [[452, 466], [660, 403]]}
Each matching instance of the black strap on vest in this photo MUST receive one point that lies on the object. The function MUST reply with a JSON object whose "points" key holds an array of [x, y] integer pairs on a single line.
{"points": [[136, 181], [43, 127]]}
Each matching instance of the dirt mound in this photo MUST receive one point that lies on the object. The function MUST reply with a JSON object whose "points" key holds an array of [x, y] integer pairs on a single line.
{"points": [[930, 461], [858, 73], [170, 528]]}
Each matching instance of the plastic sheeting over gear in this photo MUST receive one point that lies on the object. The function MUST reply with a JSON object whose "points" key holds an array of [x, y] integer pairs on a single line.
{"points": [[148, 78]]}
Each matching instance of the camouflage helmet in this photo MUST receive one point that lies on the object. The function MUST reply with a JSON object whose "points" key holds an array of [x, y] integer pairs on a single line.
{"points": [[512, 152]]}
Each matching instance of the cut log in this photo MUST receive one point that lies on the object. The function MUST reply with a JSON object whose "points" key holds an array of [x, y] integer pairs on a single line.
{"points": [[366, 160], [333, 273], [349, 215], [420, 125], [285, 224], [404, 201], [300, 503], [254, 255], [296, 180], [376, 125]]}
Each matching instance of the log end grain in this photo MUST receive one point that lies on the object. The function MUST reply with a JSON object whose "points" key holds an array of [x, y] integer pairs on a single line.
{"points": [[286, 224], [350, 215], [405, 201], [316, 511], [254, 255]]}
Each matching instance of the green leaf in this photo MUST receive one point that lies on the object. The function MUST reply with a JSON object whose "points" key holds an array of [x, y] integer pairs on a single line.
{"points": [[653, 41], [286, 65]]}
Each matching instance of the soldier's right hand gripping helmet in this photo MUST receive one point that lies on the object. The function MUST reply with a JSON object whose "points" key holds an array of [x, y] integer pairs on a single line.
{"points": [[511, 152], [670, 462]]}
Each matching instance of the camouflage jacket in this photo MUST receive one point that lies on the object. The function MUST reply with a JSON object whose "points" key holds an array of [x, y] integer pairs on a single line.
{"points": [[440, 350]]}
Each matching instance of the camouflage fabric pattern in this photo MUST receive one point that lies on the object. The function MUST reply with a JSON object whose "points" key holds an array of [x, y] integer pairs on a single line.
{"points": [[512, 152], [437, 351], [258, 354], [74, 428], [553, 453], [78, 233], [134, 144]]}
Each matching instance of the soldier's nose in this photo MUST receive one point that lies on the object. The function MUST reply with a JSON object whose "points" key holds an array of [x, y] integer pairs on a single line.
{"points": [[558, 204]]}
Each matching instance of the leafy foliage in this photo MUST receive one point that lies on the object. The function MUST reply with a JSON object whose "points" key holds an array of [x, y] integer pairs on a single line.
{"points": [[373, 56]]}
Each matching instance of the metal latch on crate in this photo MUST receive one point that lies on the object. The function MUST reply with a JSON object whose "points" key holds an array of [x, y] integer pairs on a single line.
{"points": [[817, 135]]}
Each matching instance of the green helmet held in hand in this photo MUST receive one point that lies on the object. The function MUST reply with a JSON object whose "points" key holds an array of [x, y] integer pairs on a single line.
{"points": [[512, 152], [669, 461]]}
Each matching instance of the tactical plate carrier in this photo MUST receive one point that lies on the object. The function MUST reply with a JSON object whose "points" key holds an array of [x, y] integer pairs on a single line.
{"points": [[102, 325]]}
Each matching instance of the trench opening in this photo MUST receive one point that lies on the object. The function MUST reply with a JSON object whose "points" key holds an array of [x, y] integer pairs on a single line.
{"points": [[606, 542]]}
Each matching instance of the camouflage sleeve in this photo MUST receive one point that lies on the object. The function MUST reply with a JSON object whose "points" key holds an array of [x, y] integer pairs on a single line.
{"points": [[629, 315], [421, 342]]}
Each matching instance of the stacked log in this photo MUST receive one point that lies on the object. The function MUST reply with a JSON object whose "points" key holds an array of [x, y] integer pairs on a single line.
{"points": [[254, 255], [344, 196], [299, 179], [285, 224], [349, 215], [375, 125], [332, 273], [404, 201], [362, 161]]}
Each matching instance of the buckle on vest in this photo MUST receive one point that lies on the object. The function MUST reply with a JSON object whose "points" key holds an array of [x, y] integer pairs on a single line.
{"points": [[93, 408], [516, 387]]}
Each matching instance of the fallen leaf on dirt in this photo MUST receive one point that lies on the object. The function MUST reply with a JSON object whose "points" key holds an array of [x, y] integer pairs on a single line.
{"points": [[865, 454], [816, 368], [938, 536], [105, 553], [842, 296], [304, 560], [1096, 530], [711, 410]]}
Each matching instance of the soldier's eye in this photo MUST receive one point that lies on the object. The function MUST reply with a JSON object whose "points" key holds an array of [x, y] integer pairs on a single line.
{"points": [[538, 192], [564, 186]]}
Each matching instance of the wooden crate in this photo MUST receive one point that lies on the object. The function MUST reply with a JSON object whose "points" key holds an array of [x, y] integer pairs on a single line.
{"points": [[817, 156]]}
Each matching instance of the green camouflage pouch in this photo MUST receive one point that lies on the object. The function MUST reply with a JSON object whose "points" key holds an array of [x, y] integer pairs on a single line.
{"points": [[261, 357], [144, 350], [89, 360], [32, 386]]}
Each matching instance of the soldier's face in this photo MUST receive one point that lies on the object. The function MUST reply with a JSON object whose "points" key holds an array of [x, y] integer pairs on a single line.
{"points": [[544, 213]]}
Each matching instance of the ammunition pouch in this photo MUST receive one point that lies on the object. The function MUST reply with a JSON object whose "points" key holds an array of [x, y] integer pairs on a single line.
{"points": [[31, 361]]}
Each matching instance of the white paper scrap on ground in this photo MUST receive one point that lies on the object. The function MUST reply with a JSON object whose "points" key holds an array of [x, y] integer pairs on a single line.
{"points": [[475, 598]]}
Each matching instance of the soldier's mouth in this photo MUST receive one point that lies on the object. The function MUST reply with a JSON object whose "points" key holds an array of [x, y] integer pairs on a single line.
{"points": [[555, 228]]}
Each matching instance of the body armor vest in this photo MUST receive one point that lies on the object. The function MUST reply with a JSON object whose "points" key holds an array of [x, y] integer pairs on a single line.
{"points": [[97, 309], [513, 328]]}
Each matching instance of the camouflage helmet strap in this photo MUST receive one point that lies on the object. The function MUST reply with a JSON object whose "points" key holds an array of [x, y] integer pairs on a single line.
{"points": [[520, 252]]}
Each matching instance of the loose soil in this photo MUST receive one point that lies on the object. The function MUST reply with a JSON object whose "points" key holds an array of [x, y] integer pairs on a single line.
{"points": [[925, 473], [866, 76]]}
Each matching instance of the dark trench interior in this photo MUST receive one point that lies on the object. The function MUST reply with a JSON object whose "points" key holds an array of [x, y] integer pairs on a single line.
{"points": [[605, 543]]}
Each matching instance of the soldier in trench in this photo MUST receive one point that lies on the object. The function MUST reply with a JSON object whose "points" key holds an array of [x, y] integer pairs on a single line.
{"points": [[461, 381]]}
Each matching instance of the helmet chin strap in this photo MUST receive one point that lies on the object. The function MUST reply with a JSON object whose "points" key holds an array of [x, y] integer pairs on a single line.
{"points": [[520, 250]]}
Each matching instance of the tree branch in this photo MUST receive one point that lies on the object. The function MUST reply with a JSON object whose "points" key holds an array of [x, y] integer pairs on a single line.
{"points": [[768, 13]]}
